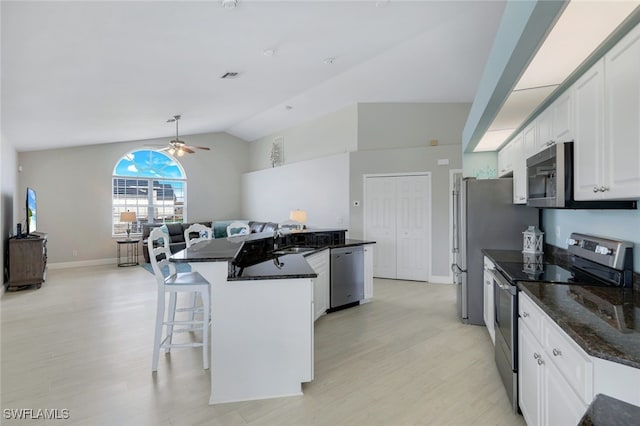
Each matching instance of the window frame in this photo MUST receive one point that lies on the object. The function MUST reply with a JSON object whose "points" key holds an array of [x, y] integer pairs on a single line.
{"points": [[124, 199]]}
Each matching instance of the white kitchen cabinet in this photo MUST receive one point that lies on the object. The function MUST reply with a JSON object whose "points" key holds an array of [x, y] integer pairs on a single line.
{"points": [[529, 376], [320, 262], [519, 170], [368, 272], [555, 375], [621, 169], [544, 127], [588, 92], [562, 111], [489, 269], [530, 140], [607, 125], [561, 407], [505, 160]]}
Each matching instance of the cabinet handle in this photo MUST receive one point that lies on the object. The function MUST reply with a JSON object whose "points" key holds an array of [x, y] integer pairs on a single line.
{"points": [[540, 361], [550, 143], [604, 188], [596, 189], [524, 315], [536, 355], [556, 352]]}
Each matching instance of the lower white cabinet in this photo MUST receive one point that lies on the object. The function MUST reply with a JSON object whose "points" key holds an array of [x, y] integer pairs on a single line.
{"points": [[368, 272], [320, 262], [555, 375], [489, 314]]}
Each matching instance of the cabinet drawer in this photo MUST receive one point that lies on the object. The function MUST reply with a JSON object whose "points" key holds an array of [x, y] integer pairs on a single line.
{"points": [[574, 364], [530, 314]]}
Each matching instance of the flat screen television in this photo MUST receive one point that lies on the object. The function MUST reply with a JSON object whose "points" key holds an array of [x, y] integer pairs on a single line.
{"points": [[32, 217]]}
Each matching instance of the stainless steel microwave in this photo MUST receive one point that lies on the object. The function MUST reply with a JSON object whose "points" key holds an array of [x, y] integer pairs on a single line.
{"points": [[550, 181]]}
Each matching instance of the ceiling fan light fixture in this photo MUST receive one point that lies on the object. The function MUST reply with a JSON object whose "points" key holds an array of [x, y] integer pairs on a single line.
{"points": [[229, 4]]}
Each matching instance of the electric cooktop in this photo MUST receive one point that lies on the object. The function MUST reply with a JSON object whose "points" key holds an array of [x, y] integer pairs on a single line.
{"points": [[516, 271]]}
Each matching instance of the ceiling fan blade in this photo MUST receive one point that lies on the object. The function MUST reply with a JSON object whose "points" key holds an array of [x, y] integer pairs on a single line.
{"points": [[200, 147], [187, 149]]}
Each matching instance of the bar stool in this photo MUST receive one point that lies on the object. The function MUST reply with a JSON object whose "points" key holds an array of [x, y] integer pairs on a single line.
{"points": [[174, 283], [203, 233]]}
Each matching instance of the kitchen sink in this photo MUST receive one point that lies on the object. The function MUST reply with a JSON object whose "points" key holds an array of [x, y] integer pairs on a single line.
{"points": [[292, 250]]}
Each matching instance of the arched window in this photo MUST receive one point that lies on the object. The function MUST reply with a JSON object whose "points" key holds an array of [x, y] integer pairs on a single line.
{"points": [[150, 184]]}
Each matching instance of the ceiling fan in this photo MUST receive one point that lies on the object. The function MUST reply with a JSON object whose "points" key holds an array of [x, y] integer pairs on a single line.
{"points": [[178, 147]]}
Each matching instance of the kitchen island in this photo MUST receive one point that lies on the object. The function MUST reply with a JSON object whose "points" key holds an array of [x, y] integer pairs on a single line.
{"points": [[262, 311]]}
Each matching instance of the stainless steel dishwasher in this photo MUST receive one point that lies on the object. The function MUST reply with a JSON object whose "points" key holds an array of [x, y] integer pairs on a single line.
{"points": [[347, 276]]}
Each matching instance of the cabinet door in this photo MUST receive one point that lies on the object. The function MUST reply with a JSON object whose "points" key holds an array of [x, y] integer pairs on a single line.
{"points": [[380, 223], [368, 272], [412, 228], [545, 129], [320, 264], [588, 92], [529, 375], [505, 160], [562, 405], [562, 110], [530, 141], [622, 119], [519, 171], [488, 299]]}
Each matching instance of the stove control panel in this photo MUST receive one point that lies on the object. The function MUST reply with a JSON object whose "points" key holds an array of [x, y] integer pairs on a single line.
{"points": [[605, 251]]}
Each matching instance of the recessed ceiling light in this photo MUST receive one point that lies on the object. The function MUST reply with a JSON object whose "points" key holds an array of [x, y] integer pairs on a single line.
{"points": [[288, 107], [382, 3], [229, 4], [269, 52], [329, 61]]}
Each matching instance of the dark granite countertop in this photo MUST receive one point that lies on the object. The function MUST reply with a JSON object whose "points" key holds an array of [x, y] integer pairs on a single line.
{"points": [[604, 321], [276, 267], [273, 267], [607, 411]]}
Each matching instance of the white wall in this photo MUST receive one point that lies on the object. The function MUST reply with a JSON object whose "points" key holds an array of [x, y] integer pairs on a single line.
{"points": [[404, 125], [331, 134], [73, 187], [318, 186], [9, 211], [408, 160]]}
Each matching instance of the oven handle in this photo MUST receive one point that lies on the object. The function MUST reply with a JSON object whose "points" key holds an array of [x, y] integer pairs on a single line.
{"points": [[502, 282]]}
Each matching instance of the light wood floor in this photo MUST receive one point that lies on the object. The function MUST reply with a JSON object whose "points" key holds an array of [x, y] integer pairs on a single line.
{"points": [[83, 342]]}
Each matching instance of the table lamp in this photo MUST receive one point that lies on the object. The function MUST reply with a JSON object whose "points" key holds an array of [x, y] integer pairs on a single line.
{"points": [[128, 217], [298, 216]]}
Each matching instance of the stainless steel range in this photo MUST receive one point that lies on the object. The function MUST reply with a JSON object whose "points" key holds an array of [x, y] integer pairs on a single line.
{"points": [[593, 260]]}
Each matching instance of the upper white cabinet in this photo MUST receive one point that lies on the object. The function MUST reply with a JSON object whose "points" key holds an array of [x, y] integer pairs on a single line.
{"points": [[588, 92], [544, 125], [562, 111], [505, 160], [621, 171], [530, 140], [607, 125], [519, 163]]}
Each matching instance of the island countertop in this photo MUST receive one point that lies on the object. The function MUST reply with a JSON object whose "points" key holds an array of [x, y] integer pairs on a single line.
{"points": [[252, 257]]}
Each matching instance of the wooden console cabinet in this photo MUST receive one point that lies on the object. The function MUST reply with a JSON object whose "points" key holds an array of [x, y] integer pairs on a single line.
{"points": [[27, 261]]}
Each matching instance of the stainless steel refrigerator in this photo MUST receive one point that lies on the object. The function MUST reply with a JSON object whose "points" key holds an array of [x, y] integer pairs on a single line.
{"points": [[484, 218]]}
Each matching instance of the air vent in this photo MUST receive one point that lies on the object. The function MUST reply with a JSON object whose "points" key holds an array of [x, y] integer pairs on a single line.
{"points": [[230, 75]]}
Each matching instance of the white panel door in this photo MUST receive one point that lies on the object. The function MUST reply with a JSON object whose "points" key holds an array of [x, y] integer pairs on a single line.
{"points": [[380, 223], [412, 202], [396, 210]]}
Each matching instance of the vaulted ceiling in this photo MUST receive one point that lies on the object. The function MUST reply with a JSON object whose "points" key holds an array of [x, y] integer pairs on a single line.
{"points": [[84, 72]]}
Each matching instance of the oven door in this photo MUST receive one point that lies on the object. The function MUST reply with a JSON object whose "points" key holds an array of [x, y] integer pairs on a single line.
{"points": [[505, 321]]}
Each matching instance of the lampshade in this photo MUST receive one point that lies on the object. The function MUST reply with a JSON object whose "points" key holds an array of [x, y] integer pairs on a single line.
{"points": [[128, 217], [299, 216]]}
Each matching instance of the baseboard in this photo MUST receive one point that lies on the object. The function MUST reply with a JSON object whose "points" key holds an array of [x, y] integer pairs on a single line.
{"points": [[440, 279], [81, 263]]}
